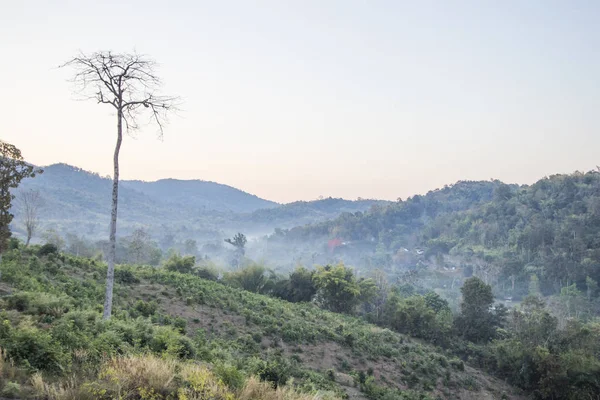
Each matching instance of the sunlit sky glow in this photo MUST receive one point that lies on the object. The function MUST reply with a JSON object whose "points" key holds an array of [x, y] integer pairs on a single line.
{"points": [[292, 100]]}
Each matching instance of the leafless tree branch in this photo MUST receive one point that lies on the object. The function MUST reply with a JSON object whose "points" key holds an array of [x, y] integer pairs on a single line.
{"points": [[30, 202], [127, 82]]}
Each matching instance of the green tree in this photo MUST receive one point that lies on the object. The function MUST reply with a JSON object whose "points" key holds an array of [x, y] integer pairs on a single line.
{"points": [[239, 242], [338, 289], [301, 287], [477, 322], [13, 169], [436, 302]]}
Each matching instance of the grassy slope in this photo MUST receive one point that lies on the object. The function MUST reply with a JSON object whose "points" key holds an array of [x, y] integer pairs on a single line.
{"points": [[239, 327]]}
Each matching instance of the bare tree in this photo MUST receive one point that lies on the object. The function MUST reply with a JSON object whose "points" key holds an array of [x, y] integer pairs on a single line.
{"points": [[129, 84], [30, 202]]}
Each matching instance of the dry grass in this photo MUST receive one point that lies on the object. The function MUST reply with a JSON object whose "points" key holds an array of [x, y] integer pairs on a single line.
{"points": [[8, 370], [65, 390], [127, 374], [150, 377], [257, 390]]}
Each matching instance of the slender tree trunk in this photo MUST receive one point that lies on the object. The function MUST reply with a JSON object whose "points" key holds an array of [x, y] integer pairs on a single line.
{"points": [[28, 239], [112, 246]]}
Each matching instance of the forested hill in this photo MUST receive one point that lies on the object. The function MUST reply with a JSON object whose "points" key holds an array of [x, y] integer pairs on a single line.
{"points": [[401, 219], [78, 202], [200, 194], [505, 233], [187, 193]]}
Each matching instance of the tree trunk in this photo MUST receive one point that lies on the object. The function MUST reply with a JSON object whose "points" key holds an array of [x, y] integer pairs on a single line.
{"points": [[28, 239], [112, 246]]}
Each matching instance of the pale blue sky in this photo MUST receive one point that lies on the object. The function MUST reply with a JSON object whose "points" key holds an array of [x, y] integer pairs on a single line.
{"points": [[295, 99]]}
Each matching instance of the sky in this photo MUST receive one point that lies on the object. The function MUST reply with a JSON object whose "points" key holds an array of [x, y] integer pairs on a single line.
{"points": [[292, 100]]}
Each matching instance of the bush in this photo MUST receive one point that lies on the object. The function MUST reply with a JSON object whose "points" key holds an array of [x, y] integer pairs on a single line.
{"points": [[168, 341], [184, 265], [125, 277], [11, 390], [33, 349], [39, 303], [208, 273], [146, 309], [277, 371], [48, 248], [230, 375]]}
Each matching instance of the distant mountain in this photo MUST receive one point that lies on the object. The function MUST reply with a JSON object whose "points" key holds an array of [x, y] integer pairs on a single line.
{"points": [[79, 201], [200, 194]]}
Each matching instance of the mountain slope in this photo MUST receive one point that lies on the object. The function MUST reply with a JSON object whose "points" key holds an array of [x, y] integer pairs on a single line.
{"points": [[79, 201], [200, 194], [506, 234]]}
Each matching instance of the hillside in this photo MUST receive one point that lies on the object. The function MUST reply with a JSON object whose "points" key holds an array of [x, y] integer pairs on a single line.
{"points": [[196, 194], [505, 234], [52, 325], [301, 213], [78, 202]]}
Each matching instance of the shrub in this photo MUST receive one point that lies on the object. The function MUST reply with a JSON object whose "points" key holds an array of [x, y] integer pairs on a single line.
{"points": [[11, 390], [39, 303], [34, 349], [146, 309], [168, 341], [125, 277], [457, 364], [230, 375], [276, 370], [208, 273], [184, 265], [48, 248]]}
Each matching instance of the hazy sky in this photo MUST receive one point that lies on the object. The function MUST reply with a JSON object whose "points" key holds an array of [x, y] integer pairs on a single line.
{"points": [[295, 99]]}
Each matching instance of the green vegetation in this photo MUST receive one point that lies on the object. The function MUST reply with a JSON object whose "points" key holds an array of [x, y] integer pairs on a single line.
{"points": [[505, 234], [526, 346], [183, 328], [13, 169], [56, 345]]}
